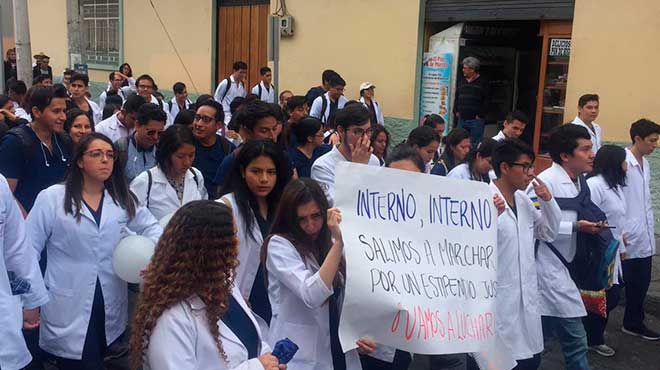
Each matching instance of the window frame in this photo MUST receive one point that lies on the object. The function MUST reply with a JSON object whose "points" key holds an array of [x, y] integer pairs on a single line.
{"points": [[120, 25]]}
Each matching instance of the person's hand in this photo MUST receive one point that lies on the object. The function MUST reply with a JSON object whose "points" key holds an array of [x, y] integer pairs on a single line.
{"points": [[365, 346], [123, 76], [2, 116], [626, 241], [499, 204], [269, 362], [589, 227], [541, 189], [232, 134], [624, 256], [334, 219], [361, 151], [31, 319]]}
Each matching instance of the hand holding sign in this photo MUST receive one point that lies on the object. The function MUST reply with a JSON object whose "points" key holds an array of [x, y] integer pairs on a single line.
{"points": [[366, 346], [334, 219], [541, 190], [499, 204]]}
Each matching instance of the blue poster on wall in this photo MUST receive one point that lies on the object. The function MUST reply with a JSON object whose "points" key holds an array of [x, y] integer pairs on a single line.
{"points": [[436, 84]]}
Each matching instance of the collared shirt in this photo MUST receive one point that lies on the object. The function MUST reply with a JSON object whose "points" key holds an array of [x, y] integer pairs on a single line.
{"points": [[235, 90], [323, 171], [267, 93], [138, 159], [639, 208], [112, 128], [595, 133]]}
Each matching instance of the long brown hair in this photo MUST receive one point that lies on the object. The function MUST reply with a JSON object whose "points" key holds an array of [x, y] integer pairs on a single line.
{"points": [[116, 184], [298, 193], [196, 255]]}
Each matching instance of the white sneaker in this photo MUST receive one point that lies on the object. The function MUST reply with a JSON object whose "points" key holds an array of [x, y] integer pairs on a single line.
{"points": [[603, 350]]}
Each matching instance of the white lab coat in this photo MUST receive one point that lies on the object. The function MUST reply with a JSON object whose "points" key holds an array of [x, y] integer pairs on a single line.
{"points": [[173, 107], [613, 203], [301, 308], [78, 254], [461, 172], [595, 134], [517, 303], [97, 113], [249, 247], [639, 211], [162, 197], [112, 128], [500, 136], [323, 171], [104, 96], [16, 256], [317, 105], [379, 112], [235, 90], [169, 121], [559, 296], [267, 95], [182, 340]]}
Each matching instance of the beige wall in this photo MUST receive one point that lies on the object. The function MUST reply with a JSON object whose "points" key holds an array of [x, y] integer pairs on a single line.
{"points": [[363, 40], [148, 50], [48, 32], [615, 54]]}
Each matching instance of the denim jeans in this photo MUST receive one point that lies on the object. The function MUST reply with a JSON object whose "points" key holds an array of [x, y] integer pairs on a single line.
{"points": [[475, 127], [572, 338]]}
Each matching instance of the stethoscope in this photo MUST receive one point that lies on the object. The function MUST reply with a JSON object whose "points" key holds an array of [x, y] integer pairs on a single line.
{"points": [[43, 152]]}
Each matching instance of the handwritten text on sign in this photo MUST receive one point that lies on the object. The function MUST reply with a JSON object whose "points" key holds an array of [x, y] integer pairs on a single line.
{"points": [[421, 260]]}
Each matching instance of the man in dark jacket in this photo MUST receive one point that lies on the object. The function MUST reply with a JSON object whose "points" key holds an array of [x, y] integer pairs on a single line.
{"points": [[10, 65], [471, 102]]}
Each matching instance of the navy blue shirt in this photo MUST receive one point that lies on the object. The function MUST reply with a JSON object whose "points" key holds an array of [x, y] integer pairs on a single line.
{"points": [[208, 159], [302, 164], [239, 323], [35, 169]]}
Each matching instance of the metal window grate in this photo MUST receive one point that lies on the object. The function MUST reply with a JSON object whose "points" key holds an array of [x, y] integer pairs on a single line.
{"points": [[101, 34]]}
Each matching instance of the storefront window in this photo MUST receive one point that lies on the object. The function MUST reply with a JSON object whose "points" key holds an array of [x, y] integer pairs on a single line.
{"points": [[554, 91]]}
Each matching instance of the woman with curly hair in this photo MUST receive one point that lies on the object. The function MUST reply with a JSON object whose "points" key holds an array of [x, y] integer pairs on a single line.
{"points": [[189, 315], [306, 277]]}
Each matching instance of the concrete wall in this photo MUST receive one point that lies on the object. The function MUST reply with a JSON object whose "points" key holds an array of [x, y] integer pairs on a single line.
{"points": [[48, 32], [148, 50], [615, 54], [363, 40]]}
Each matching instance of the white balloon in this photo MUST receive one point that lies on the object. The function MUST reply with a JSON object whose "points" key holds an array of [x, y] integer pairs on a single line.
{"points": [[163, 221], [131, 256]]}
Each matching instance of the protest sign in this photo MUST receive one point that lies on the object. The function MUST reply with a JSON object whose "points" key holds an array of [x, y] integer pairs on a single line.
{"points": [[421, 260]]}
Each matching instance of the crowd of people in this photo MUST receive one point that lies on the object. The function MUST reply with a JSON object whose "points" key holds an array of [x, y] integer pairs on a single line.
{"points": [[253, 249]]}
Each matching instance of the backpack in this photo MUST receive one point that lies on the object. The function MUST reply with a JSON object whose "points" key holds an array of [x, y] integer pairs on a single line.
{"points": [[225, 144], [592, 267], [26, 141], [313, 93], [122, 145], [324, 106], [224, 94], [150, 182]]}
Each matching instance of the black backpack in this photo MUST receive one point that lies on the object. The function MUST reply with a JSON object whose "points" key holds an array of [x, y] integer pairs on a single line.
{"points": [[63, 140], [228, 80], [593, 263]]}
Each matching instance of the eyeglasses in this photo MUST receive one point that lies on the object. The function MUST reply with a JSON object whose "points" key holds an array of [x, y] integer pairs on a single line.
{"points": [[205, 119], [99, 154], [360, 131], [526, 167], [145, 87]]}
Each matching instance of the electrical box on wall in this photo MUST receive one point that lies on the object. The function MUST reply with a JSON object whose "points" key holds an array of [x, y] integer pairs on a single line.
{"points": [[286, 26]]}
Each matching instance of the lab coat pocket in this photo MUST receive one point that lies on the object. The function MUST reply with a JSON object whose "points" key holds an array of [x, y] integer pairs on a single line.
{"points": [[61, 310], [306, 337]]}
